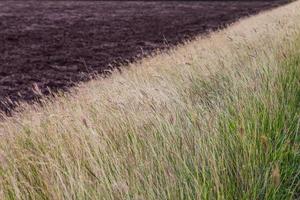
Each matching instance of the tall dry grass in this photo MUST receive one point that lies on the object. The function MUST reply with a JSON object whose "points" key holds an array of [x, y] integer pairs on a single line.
{"points": [[216, 118]]}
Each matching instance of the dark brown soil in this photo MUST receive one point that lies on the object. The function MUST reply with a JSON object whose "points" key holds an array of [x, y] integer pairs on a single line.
{"points": [[54, 45]]}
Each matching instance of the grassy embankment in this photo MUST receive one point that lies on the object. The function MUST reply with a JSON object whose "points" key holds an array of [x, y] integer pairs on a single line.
{"points": [[216, 118]]}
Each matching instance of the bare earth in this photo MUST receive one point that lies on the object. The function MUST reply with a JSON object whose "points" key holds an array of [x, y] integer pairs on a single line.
{"points": [[54, 45]]}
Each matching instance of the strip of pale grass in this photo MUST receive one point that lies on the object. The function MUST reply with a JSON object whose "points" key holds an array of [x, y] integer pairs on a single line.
{"points": [[216, 118]]}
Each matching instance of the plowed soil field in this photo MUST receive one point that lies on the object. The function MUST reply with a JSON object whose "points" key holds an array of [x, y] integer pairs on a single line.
{"points": [[53, 45]]}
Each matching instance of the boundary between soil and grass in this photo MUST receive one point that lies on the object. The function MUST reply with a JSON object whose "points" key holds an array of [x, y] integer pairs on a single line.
{"points": [[216, 118]]}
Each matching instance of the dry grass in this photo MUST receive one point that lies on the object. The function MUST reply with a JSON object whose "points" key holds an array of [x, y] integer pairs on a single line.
{"points": [[216, 118]]}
